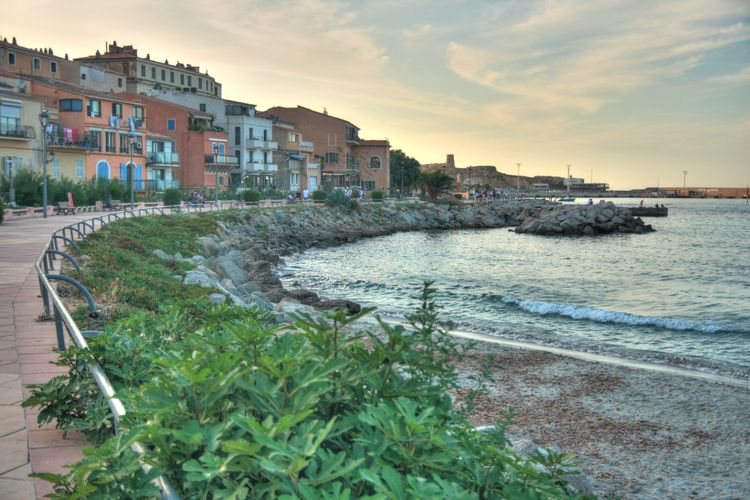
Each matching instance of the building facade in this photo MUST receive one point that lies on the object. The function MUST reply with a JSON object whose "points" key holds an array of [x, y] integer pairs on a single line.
{"points": [[345, 159]]}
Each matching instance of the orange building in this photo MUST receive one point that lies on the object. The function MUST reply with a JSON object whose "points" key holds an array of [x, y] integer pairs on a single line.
{"points": [[110, 130], [347, 160]]}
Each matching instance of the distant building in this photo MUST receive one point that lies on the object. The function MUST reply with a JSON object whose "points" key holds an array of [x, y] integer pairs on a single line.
{"points": [[295, 158], [20, 128], [143, 74], [346, 159]]}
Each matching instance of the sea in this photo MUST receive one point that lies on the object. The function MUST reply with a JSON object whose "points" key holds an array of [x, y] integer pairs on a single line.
{"points": [[679, 295]]}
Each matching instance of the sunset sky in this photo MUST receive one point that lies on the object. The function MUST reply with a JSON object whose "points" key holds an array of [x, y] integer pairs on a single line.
{"points": [[628, 92]]}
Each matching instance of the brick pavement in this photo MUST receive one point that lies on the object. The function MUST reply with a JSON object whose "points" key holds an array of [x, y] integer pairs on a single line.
{"points": [[26, 349]]}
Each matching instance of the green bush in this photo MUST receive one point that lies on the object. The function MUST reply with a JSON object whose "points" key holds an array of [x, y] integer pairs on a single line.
{"points": [[171, 197], [377, 195], [27, 185], [338, 198], [251, 196], [319, 195], [2, 210]]}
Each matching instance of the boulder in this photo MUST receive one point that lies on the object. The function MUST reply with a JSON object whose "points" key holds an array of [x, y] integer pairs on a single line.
{"points": [[350, 307], [217, 298], [194, 277]]}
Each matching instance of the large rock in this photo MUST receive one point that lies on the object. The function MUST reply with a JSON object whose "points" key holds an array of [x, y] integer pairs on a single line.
{"points": [[350, 307]]}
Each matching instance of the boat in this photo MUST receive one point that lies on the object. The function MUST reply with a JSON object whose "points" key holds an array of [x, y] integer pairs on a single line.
{"points": [[567, 198]]}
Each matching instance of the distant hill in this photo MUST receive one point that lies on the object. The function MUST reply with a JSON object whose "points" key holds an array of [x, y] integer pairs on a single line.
{"points": [[488, 175]]}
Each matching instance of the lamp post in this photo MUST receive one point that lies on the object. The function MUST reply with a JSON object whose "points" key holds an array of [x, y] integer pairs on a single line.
{"points": [[11, 192], [216, 175], [131, 173], [402, 178], [518, 178], [44, 120]]}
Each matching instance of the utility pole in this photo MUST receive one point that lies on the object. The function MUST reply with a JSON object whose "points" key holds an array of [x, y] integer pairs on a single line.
{"points": [[131, 172], [402, 179], [518, 178], [684, 178]]}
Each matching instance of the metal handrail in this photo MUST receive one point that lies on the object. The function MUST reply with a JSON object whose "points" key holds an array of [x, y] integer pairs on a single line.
{"points": [[63, 317]]}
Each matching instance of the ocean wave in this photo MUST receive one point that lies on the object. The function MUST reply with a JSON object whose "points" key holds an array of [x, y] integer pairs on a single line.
{"points": [[604, 316]]}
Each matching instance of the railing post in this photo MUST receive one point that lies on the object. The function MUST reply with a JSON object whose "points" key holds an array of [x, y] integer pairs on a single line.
{"points": [[59, 330]]}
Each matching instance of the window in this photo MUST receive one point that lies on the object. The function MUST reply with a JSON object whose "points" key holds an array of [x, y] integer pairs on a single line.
{"points": [[182, 79], [368, 185], [53, 66], [331, 139], [124, 146], [251, 158], [250, 133], [163, 75], [10, 118], [137, 144], [190, 81], [216, 90], [293, 137], [117, 109], [83, 76], [119, 82], [37, 64], [71, 105], [79, 169], [202, 107], [332, 157], [374, 162], [170, 124], [109, 142], [143, 71], [95, 137], [171, 76], [153, 72], [351, 134], [11, 58], [237, 136], [94, 108], [138, 113], [56, 168], [200, 83], [265, 156]]}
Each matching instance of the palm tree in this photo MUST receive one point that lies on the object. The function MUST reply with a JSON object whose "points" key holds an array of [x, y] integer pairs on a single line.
{"points": [[434, 183]]}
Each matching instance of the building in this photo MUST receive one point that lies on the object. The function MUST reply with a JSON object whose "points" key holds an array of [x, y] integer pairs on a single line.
{"points": [[108, 130], [298, 169], [142, 74], [23, 61], [20, 128], [185, 149], [345, 159]]}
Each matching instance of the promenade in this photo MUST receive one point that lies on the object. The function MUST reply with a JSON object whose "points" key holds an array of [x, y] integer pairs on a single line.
{"points": [[26, 349]]}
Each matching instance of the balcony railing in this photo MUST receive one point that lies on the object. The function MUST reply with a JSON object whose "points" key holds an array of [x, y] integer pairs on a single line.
{"points": [[161, 158], [306, 145], [255, 142], [253, 166], [151, 185], [313, 165], [83, 141], [16, 131], [222, 160]]}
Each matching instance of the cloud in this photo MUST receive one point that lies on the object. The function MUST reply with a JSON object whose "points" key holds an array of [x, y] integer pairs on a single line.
{"points": [[737, 79], [582, 55]]}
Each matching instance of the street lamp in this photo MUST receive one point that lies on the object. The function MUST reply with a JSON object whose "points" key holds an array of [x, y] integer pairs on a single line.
{"points": [[518, 178], [216, 175], [44, 120], [402, 179], [131, 172]]}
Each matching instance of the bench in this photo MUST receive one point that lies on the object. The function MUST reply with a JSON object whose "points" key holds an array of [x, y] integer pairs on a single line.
{"points": [[64, 208]]}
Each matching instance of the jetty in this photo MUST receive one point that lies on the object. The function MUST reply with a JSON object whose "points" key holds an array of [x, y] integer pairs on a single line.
{"points": [[649, 211]]}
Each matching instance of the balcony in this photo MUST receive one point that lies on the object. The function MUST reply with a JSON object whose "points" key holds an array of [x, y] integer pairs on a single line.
{"points": [[256, 143], [156, 159], [313, 166], [73, 141], [16, 131], [259, 167], [306, 146], [220, 164]]}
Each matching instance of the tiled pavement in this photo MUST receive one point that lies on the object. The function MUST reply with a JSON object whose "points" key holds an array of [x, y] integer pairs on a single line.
{"points": [[25, 354]]}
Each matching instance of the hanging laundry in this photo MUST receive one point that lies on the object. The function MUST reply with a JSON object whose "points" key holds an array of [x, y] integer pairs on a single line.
{"points": [[75, 135], [68, 134], [113, 121]]}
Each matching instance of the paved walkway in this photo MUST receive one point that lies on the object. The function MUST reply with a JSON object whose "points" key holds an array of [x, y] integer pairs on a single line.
{"points": [[25, 354]]}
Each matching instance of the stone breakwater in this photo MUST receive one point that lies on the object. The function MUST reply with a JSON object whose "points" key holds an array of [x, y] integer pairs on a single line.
{"points": [[589, 220], [241, 259]]}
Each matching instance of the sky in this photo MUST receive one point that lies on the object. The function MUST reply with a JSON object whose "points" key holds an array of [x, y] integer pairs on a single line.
{"points": [[628, 92]]}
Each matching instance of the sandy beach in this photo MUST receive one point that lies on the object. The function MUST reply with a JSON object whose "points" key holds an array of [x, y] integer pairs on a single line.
{"points": [[636, 433]]}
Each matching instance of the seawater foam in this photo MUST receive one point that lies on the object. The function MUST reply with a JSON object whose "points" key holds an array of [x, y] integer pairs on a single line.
{"points": [[602, 316]]}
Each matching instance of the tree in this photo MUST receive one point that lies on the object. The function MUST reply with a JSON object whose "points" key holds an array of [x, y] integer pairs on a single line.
{"points": [[434, 183], [410, 167]]}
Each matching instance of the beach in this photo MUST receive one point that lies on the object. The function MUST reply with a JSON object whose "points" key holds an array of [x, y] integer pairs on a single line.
{"points": [[635, 433]]}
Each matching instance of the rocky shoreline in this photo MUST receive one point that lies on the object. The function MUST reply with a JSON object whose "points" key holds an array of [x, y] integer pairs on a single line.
{"points": [[241, 259]]}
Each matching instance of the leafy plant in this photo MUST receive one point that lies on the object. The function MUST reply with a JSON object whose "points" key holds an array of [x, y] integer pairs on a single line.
{"points": [[251, 196], [435, 183], [319, 195], [171, 197], [2, 210], [377, 195], [338, 198]]}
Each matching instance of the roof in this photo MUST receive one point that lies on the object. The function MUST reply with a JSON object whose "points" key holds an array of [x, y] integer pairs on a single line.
{"points": [[270, 111], [78, 89]]}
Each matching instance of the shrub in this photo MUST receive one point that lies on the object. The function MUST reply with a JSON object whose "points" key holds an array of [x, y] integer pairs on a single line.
{"points": [[171, 197], [27, 185], [251, 196], [338, 198], [2, 210], [319, 195], [377, 195]]}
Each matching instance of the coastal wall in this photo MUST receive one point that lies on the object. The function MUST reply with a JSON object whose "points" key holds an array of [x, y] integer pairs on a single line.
{"points": [[241, 258]]}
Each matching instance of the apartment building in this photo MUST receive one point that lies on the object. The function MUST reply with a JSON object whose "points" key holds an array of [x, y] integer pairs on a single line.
{"points": [[108, 130], [346, 159], [185, 148], [20, 128], [144, 74], [298, 169]]}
